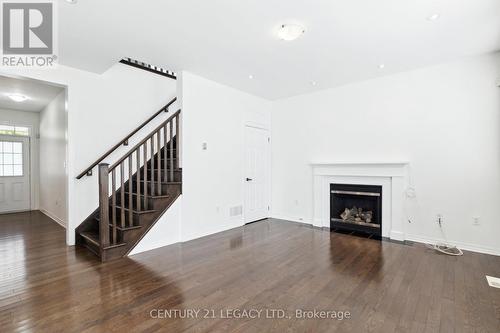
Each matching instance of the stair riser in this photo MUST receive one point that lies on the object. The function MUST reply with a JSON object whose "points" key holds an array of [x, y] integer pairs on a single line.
{"points": [[145, 204], [148, 204], [166, 189], [168, 153], [89, 245], [177, 176], [135, 218]]}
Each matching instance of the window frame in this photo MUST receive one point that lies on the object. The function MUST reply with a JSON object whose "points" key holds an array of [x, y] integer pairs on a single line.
{"points": [[12, 157]]}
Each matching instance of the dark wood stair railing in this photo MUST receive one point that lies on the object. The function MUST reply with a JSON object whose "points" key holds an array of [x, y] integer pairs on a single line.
{"points": [[88, 171], [149, 68], [156, 152]]}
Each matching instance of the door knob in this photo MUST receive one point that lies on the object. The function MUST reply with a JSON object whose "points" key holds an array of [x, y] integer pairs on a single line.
{"points": [[249, 179]]}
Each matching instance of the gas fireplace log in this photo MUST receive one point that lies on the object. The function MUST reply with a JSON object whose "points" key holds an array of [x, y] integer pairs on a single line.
{"points": [[356, 214]]}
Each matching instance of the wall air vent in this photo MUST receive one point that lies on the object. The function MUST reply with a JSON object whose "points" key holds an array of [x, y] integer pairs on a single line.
{"points": [[236, 211]]}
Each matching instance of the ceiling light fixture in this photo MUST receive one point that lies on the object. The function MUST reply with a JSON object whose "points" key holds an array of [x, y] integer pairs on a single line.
{"points": [[381, 66], [71, 1], [290, 32], [250, 77], [313, 83], [18, 97], [433, 17]]}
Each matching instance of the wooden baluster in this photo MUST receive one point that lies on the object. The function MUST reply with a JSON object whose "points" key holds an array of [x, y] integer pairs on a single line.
{"points": [[113, 203], [165, 146], [172, 151], [130, 201], [104, 206], [177, 141], [138, 178], [122, 195], [152, 165], [158, 159], [145, 178]]}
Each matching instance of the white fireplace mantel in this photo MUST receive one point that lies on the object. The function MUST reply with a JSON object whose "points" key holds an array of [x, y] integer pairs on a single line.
{"points": [[392, 176]]}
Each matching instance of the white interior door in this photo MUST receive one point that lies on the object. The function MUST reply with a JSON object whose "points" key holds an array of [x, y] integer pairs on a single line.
{"points": [[257, 170], [14, 174]]}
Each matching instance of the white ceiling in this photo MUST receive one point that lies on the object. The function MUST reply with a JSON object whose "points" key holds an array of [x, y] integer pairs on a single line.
{"points": [[39, 94], [227, 40]]}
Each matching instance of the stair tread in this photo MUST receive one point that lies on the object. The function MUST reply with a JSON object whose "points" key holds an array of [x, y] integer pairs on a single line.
{"points": [[126, 228], [162, 182], [93, 237], [98, 219], [150, 196], [137, 211]]}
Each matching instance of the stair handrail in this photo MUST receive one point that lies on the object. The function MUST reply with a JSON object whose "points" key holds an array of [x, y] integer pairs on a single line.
{"points": [[88, 171], [161, 171], [149, 136]]}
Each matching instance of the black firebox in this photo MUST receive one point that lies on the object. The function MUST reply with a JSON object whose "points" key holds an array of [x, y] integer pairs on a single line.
{"points": [[356, 208]]}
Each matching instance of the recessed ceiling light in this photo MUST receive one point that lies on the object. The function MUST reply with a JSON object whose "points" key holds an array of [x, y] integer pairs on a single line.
{"points": [[18, 97], [290, 32], [381, 66], [250, 77], [433, 17]]}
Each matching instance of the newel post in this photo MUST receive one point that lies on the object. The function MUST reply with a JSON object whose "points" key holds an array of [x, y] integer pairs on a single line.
{"points": [[104, 205]]}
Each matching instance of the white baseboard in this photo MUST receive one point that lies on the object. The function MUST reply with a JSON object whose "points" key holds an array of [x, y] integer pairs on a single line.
{"points": [[55, 218], [397, 235], [460, 245], [415, 238], [291, 218]]}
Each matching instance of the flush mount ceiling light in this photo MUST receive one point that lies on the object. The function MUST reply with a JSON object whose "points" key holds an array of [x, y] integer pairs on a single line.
{"points": [[434, 17], [17, 97], [381, 66], [250, 77], [290, 32]]}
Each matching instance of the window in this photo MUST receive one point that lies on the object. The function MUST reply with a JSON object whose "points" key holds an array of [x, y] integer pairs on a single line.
{"points": [[14, 130], [11, 159]]}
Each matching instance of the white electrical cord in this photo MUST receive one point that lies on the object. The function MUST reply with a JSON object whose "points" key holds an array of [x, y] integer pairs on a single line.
{"points": [[443, 247], [446, 249]]}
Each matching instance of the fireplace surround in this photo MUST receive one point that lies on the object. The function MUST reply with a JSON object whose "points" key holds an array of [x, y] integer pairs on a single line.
{"points": [[356, 207], [392, 176]]}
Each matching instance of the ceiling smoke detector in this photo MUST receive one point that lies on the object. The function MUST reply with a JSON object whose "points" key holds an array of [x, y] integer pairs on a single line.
{"points": [[289, 32]]}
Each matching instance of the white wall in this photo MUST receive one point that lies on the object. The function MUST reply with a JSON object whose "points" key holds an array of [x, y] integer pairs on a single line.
{"points": [[166, 231], [53, 146], [444, 120], [28, 119], [102, 109], [213, 178]]}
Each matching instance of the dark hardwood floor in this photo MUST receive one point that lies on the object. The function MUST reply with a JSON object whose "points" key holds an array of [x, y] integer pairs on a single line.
{"points": [[387, 287]]}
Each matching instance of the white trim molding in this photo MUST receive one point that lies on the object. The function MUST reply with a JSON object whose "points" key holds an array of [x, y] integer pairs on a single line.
{"points": [[392, 176], [53, 217], [460, 245]]}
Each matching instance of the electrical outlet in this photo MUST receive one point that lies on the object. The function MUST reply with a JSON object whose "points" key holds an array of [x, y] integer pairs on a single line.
{"points": [[476, 220]]}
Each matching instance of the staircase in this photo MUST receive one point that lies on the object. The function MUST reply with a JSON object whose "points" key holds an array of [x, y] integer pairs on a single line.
{"points": [[134, 192]]}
